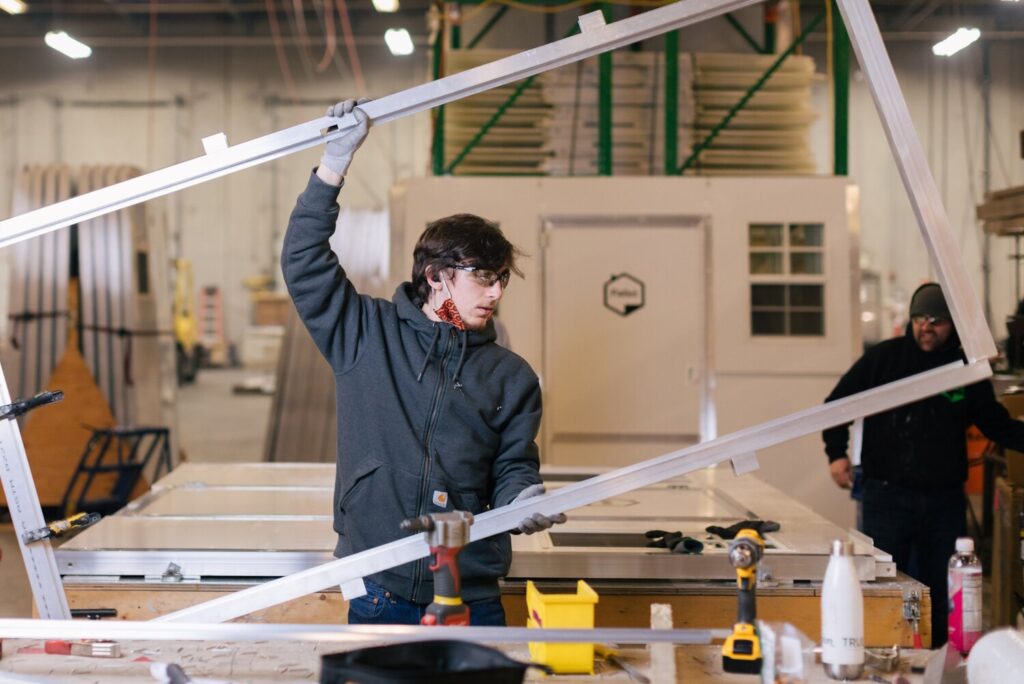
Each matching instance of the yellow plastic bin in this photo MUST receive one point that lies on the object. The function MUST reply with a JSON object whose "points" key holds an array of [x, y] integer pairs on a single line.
{"points": [[562, 611]]}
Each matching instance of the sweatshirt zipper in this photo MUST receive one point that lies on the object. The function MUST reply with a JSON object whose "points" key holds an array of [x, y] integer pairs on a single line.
{"points": [[435, 410]]}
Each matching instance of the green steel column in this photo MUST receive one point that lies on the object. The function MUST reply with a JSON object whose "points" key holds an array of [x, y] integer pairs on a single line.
{"points": [[604, 107], [457, 28], [671, 102], [771, 19], [840, 93], [438, 145]]}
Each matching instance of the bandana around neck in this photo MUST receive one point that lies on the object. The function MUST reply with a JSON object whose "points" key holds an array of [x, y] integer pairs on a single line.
{"points": [[448, 312]]}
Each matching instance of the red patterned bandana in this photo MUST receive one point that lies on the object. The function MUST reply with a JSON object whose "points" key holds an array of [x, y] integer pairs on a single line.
{"points": [[449, 314]]}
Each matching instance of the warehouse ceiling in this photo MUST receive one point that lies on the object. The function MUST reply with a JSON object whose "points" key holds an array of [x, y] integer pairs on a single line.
{"points": [[296, 19], [123, 23]]}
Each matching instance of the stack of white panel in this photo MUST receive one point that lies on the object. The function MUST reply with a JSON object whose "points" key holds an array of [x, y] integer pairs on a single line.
{"points": [[38, 292], [638, 114], [552, 128], [770, 135], [515, 144], [126, 332]]}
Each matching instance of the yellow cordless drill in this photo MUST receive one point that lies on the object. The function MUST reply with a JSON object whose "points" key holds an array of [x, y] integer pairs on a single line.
{"points": [[741, 652]]}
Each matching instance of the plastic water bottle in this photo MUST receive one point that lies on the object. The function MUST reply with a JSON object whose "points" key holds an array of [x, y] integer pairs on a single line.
{"points": [[964, 582], [842, 616]]}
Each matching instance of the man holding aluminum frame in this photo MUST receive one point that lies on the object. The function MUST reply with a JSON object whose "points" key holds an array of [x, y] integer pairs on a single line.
{"points": [[433, 416], [914, 457]]}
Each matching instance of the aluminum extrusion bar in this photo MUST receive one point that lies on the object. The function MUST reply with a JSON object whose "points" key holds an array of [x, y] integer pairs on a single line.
{"points": [[123, 630], [917, 178], [590, 42], [595, 489], [27, 515]]}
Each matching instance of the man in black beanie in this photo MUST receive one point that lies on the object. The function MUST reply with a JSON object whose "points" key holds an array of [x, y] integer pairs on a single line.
{"points": [[914, 457]]}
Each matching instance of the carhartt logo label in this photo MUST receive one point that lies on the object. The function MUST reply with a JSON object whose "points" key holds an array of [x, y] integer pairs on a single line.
{"points": [[440, 499]]}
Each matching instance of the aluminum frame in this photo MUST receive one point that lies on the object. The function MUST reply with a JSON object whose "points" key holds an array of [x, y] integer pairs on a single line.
{"points": [[578, 494], [909, 157], [595, 38], [126, 630], [918, 180]]}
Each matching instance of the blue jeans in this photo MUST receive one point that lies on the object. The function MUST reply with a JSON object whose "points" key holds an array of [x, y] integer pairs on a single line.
{"points": [[381, 607], [919, 528]]}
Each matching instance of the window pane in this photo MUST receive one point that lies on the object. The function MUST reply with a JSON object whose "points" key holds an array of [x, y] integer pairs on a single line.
{"points": [[766, 262], [807, 262], [767, 323], [807, 295], [765, 234], [767, 295], [807, 323], [806, 234]]}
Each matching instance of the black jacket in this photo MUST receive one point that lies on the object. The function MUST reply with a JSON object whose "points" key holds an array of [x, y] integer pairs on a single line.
{"points": [[429, 418], [921, 445]]}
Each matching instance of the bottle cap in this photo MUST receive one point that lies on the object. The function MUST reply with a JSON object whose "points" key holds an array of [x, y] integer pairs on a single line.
{"points": [[965, 545], [842, 547]]}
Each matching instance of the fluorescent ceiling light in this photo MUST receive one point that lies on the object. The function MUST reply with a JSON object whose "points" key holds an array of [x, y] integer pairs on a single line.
{"points": [[62, 42], [956, 42], [385, 5], [13, 6], [399, 41]]}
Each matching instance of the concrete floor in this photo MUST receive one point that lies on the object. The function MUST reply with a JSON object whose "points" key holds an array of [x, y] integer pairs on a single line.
{"points": [[214, 425]]}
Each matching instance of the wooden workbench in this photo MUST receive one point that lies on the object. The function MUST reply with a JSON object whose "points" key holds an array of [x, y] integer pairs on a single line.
{"points": [[300, 662], [622, 604]]}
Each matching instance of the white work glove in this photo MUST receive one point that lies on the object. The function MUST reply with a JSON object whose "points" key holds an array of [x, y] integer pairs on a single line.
{"points": [[339, 152], [537, 521]]}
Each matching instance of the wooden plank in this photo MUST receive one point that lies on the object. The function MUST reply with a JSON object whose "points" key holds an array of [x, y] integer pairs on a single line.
{"points": [[1009, 226], [302, 424], [1004, 207], [700, 606], [1008, 192]]}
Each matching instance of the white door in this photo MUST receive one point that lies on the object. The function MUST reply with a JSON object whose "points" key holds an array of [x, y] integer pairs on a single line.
{"points": [[624, 338]]}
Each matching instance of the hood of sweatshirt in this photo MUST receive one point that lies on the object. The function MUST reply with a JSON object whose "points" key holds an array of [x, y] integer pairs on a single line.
{"points": [[915, 360], [410, 312]]}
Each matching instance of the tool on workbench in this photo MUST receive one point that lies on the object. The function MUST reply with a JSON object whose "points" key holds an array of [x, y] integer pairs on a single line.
{"points": [[446, 534], [732, 531], [611, 656], [676, 542], [20, 407], [59, 528], [93, 648], [741, 652]]}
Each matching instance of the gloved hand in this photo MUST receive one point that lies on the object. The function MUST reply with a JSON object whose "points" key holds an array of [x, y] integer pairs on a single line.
{"points": [[676, 542], [339, 152], [537, 521], [730, 532]]}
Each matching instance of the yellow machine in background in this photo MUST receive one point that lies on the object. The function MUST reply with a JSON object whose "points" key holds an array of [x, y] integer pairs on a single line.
{"points": [[186, 326]]}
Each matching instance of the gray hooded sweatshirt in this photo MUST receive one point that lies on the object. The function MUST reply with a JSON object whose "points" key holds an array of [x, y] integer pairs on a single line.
{"points": [[430, 418]]}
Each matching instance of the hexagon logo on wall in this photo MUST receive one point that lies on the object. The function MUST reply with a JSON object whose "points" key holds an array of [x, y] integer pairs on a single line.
{"points": [[624, 294]]}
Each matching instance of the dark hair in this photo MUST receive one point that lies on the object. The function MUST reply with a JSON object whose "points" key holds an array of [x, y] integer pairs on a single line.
{"points": [[464, 240]]}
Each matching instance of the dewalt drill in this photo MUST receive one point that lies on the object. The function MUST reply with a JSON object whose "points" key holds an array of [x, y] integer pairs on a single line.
{"points": [[741, 652], [446, 534]]}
